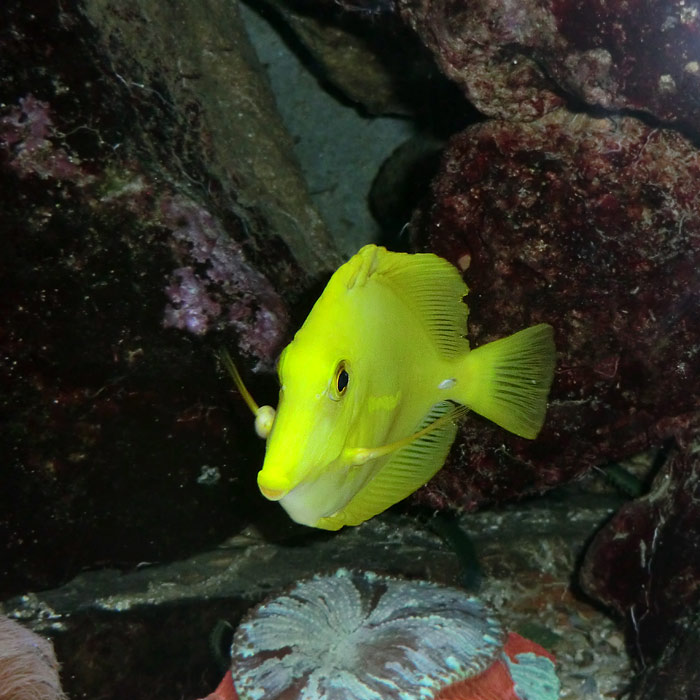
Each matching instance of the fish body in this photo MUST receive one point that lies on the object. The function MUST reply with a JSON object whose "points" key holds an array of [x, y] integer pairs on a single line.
{"points": [[373, 382]]}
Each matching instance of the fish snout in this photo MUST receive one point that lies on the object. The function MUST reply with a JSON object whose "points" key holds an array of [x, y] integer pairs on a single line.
{"points": [[272, 488], [272, 494]]}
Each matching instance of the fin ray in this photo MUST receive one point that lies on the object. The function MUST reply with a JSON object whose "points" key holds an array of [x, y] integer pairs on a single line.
{"points": [[434, 289], [509, 379], [225, 359]]}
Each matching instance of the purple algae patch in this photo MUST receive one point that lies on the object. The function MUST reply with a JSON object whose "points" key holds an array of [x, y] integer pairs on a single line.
{"points": [[28, 137], [215, 286]]}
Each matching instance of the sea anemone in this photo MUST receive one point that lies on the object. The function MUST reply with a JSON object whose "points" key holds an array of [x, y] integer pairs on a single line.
{"points": [[28, 666], [357, 635]]}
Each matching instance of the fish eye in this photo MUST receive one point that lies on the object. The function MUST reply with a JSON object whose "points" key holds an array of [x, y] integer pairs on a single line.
{"points": [[341, 380]]}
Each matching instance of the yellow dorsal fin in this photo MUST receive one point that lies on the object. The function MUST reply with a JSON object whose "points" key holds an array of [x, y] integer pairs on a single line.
{"points": [[406, 470], [363, 264], [507, 381], [432, 288]]}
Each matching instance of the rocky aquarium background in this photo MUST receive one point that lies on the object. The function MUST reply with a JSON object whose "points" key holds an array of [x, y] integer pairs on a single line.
{"points": [[143, 228], [154, 207]]}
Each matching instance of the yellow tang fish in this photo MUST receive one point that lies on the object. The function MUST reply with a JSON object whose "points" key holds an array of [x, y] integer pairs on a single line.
{"points": [[374, 381]]}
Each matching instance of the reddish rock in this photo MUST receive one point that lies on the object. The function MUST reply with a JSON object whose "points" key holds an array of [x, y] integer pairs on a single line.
{"points": [[521, 60], [645, 566], [653, 540], [593, 226], [482, 47]]}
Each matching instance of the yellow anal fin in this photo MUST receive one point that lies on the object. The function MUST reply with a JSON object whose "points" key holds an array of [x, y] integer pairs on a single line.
{"points": [[508, 380], [412, 462]]}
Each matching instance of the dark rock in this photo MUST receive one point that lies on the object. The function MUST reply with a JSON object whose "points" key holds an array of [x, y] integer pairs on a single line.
{"points": [[593, 226], [401, 181], [364, 53], [676, 674], [352, 51], [145, 652], [645, 566], [148, 199], [519, 61]]}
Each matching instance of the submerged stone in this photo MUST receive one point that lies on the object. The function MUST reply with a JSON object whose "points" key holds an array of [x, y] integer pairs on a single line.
{"points": [[591, 225], [520, 61], [645, 566]]}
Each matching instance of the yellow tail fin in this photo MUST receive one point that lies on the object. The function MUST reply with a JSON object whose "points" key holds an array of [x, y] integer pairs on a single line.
{"points": [[507, 381]]}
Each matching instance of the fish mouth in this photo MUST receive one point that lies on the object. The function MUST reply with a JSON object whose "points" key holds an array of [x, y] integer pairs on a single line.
{"points": [[272, 494], [272, 486]]}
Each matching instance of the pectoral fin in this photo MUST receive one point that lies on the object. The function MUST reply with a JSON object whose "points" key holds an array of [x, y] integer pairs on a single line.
{"points": [[412, 462], [361, 455], [264, 415]]}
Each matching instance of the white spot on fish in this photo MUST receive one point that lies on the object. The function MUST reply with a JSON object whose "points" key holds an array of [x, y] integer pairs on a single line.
{"points": [[447, 383]]}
